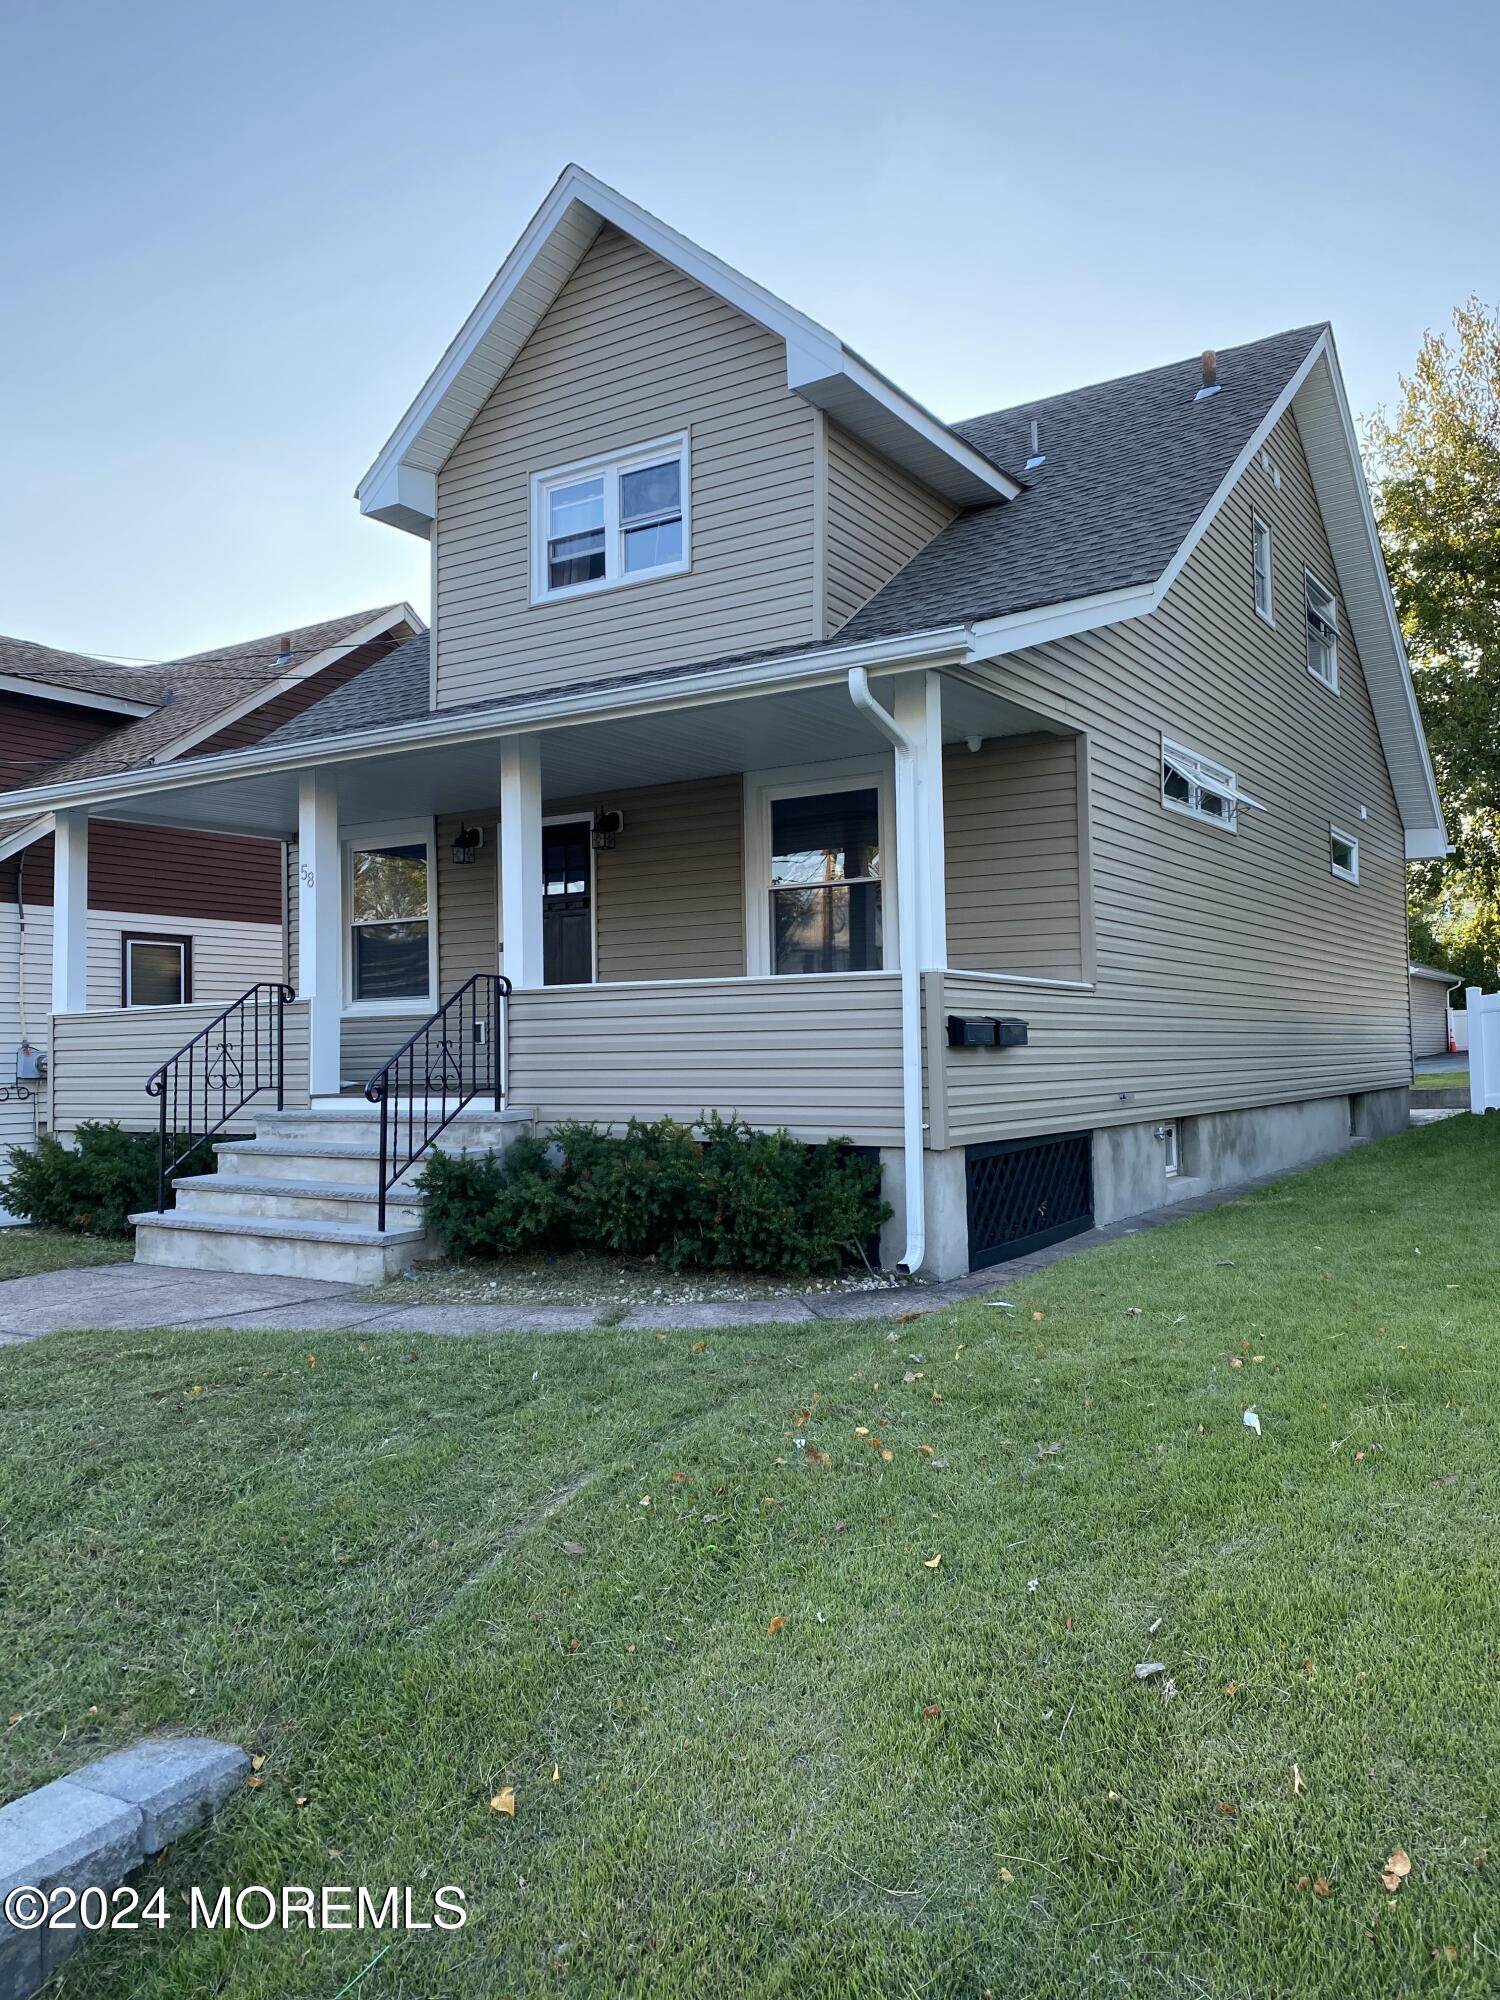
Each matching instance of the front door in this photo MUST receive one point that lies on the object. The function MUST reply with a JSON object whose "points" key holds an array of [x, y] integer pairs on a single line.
{"points": [[567, 904]]}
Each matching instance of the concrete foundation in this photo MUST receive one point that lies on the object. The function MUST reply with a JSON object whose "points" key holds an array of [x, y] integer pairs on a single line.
{"points": [[1376, 1114], [947, 1251]]}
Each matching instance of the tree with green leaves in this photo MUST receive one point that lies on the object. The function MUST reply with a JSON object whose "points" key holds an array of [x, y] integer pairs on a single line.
{"points": [[1435, 470]]}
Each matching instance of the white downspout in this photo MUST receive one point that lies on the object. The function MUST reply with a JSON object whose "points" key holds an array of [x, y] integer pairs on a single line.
{"points": [[908, 875]]}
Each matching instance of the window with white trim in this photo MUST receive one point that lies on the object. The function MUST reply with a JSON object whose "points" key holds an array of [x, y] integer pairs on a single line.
{"points": [[1343, 855], [390, 933], [1197, 786], [1322, 633], [1170, 1155], [155, 971], [1260, 539], [606, 521], [825, 880]]}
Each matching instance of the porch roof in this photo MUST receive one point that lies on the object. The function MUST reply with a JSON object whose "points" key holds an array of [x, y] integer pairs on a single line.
{"points": [[749, 730]]}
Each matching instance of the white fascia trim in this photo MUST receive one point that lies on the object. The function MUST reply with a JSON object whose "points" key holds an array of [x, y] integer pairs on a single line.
{"points": [[1449, 979], [995, 637], [294, 676], [110, 704], [943, 646], [404, 494], [26, 836]]}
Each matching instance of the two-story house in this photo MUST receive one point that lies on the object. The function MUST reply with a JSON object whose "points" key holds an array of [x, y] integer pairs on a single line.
{"points": [[1027, 798]]}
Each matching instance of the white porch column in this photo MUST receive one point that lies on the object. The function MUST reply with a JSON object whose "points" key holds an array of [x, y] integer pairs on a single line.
{"points": [[70, 912], [320, 927], [521, 860], [919, 712]]}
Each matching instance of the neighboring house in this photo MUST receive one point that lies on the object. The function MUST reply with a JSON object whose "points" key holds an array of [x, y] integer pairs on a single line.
{"points": [[1028, 798], [174, 916], [1430, 989]]}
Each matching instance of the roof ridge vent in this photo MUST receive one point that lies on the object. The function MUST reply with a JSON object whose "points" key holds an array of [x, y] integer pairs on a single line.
{"points": [[1038, 456], [1210, 376]]}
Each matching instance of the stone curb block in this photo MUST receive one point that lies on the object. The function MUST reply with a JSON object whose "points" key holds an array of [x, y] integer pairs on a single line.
{"points": [[90, 1829]]}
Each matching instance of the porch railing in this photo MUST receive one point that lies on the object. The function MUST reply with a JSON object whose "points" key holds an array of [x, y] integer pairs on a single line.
{"points": [[456, 1056], [211, 1079]]}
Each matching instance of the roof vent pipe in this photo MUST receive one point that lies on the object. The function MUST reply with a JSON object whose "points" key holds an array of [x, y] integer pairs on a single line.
{"points": [[1210, 375], [284, 650], [1038, 456]]}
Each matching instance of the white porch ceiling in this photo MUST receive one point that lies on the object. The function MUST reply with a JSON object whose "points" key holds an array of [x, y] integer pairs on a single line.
{"points": [[807, 725]]}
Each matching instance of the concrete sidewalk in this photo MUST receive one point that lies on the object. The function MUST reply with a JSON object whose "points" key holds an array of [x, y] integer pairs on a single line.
{"points": [[128, 1298]]}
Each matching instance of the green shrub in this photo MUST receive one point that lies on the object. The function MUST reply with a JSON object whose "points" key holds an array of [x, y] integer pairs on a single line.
{"points": [[92, 1187], [736, 1199]]}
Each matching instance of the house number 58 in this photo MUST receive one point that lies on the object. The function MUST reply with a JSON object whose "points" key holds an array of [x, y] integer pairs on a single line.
{"points": [[307, 875]]}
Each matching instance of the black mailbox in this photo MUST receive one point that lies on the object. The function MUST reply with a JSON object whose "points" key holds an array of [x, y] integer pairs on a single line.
{"points": [[984, 1031]]}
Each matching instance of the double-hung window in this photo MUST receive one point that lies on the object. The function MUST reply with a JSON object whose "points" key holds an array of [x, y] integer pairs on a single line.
{"points": [[1195, 785], [390, 909], [825, 880], [1260, 540], [1322, 634], [607, 521]]}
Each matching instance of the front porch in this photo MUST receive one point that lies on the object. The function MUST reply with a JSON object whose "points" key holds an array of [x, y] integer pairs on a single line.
{"points": [[749, 905]]}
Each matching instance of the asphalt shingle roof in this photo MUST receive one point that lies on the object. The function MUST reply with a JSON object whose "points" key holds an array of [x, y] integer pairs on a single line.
{"points": [[1128, 467]]}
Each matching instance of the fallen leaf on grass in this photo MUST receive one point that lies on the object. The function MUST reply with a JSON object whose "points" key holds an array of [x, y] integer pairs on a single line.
{"points": [[925, 1450], [556, 1774], [861, 1430], [1445, 1479], [1396, 1869], [679, 1479], [1038, 1315], [301, 1799], [932, 1711], [905, 1319], [887, 1454], [504, 1801], [700, 1346], [256, 1763], [775, 1625], [254, 1782], [1229, 1811], [932, 1562], [1006, 1876], [1299, 1783], [573, 1548], [1146, 1668]]}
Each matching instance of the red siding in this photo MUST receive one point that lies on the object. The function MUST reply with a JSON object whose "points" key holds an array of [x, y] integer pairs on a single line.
{"points": [[271, 715], [34, 733], [163, 871]]}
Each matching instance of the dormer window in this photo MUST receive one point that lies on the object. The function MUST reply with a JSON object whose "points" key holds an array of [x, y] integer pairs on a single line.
{"points": [[610, 521]]}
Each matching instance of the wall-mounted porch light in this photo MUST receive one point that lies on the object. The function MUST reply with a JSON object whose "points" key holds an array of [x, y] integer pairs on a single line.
{"points": [[466, 844], [608, 824]]}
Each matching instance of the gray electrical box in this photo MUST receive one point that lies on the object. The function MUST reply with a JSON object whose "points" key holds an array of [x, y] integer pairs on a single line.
{"points": [[31, 1064]]}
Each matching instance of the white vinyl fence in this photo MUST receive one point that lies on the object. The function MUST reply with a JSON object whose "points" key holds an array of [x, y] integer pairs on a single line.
{"points": [[1484, 1050]]}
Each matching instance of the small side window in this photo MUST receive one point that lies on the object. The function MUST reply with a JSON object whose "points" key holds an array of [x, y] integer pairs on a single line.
{"points": [[1260, 537], [1322, 634], [1170, 1155], [1343, 855], [155, 971]]}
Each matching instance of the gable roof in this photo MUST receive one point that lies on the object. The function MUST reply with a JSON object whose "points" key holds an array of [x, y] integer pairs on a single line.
{"points": [[401, 486], [185, 700], [1127, 468]]}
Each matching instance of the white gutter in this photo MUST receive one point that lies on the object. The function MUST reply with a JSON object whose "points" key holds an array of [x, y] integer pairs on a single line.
{"points": [[915, 1165], [442, 730]]}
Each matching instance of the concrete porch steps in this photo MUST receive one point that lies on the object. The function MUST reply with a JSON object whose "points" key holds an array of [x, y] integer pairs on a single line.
{"points": [[300, 1199]]}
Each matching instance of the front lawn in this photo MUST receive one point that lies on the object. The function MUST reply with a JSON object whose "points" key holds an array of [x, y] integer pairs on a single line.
{"points": [[26, 1251], [1440, 1079], [810, 1654]]}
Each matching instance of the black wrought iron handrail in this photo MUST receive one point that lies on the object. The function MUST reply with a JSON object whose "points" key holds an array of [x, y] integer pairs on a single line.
{"points": [[456, 1055], [212, 1077]]}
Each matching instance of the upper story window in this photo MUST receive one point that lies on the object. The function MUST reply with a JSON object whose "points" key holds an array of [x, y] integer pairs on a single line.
{"points": [[1322, 634], [1194, 784], [612, 520], [1260, 539]]}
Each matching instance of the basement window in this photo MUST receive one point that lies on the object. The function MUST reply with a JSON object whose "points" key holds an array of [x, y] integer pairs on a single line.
{"points": [[1343, 855], [607, 521], [1260, 538], [1194, 784], [1322, 634]]}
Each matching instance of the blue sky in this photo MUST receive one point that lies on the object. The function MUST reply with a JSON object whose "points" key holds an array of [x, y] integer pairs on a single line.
{"points": [[234, 241]]}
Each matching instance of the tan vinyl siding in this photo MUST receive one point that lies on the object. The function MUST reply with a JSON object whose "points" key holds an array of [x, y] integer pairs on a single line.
{"points": [[877, 519], [1012, 853], [468, 911], [630, 351], [820, 1056], [1429, 1018], [100, 1062], [368, 1040], [1232, 969]]}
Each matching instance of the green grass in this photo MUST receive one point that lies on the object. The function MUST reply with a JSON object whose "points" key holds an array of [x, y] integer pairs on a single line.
{"points": [[308, 1544], [1441, 1079], [26, 1251]]}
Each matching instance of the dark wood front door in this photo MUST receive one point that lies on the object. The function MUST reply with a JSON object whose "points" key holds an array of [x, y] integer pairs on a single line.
{"points": [[567, 904]]}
